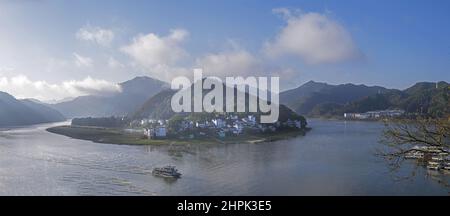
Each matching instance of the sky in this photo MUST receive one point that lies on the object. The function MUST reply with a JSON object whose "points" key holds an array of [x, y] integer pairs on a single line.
{"points": [[55, 49]]}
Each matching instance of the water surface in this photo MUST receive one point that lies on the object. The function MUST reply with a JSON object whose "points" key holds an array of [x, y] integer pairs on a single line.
{"points": [[335, 158]]}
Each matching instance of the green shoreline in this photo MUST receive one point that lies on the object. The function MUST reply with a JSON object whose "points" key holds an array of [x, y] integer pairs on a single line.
{"points": [[118, 136]]}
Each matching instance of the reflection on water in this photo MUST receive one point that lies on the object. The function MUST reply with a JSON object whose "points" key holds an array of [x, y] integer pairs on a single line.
{"points": [[335, 158]]}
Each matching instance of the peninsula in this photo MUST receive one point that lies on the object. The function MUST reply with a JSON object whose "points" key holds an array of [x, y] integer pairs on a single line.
{"points": [[211, 128]]}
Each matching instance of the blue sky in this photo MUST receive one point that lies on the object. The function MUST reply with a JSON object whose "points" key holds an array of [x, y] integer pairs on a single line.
{"points": [[65, 46]]}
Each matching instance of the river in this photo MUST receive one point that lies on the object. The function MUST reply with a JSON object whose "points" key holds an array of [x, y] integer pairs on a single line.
{"points": [[335, 158]]}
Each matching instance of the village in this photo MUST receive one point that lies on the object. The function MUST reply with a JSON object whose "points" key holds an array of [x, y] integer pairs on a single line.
{"points": [[374, 114], [217, 126]]}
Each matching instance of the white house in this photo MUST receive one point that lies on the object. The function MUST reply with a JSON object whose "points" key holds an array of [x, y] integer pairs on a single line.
{"points": [[234, 117], [184, 125], [160, 132], [238, 128], [251, 120], [201, 124], [375, 114], [219, 123], [157, 132]]}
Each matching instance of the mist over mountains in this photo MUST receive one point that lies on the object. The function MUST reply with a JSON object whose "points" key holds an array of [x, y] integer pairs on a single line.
{"points": [[144, 97], [134, 93], [15, 112]]}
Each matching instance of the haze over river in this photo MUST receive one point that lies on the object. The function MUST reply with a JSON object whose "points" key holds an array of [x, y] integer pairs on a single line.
{"points": [[335, 158]]}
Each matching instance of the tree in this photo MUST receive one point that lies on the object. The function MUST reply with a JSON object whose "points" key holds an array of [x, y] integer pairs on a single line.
{"points": [[175, 122], [428, 132], [401, 135]]}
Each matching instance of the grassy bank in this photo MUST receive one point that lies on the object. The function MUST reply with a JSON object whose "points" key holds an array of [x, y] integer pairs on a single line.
{"points": [[118, 136]]}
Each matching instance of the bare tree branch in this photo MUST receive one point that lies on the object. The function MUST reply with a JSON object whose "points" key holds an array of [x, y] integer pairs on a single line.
{"points": [[400, 136]]}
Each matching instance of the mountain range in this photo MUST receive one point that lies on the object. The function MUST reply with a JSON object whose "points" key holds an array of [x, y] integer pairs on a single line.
{"points": [[312, 95], [425, 98], [324, 100], [159, 106], [144, 97], [15, 112], [132, 95]]}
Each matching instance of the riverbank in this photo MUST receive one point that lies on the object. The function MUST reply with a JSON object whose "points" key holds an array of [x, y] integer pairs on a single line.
{"points": [[121, 137], [340, 118]]}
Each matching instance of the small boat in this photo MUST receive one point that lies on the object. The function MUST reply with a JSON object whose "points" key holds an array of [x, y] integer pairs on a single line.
{"points": [[434, 165], [166, 172], [414, 155], [434, 149], [443, 154], [437, 158], [446, 166]]}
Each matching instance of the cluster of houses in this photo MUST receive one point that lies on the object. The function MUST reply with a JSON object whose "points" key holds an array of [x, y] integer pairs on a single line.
{"points": [[155, 132], [225, 125], [153, 129], [375, 114]]}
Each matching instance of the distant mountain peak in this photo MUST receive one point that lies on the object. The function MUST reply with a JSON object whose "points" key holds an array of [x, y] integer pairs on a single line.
{"points": [[312, 82], [142, 79], [33, 100], [134, 93], [15, 112], [311, 94], [423, 86], [4, 94]]}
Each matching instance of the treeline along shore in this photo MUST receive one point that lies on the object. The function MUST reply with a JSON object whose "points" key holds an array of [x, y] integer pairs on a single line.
{"points": [[124, 137], [198, 128]]}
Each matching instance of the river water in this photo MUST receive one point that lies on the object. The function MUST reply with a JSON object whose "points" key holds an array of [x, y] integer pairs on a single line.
{"points": [[335, 158]]}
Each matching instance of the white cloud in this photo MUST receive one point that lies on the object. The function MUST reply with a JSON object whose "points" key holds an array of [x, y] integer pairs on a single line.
{"points": [[113, 63], [56, 65], [22, 87], [152, 50], [90, 86], [98, 35], [240, 62], [168, 72], [6, 69], [237, 62], [315, 38], [82, 61]]}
